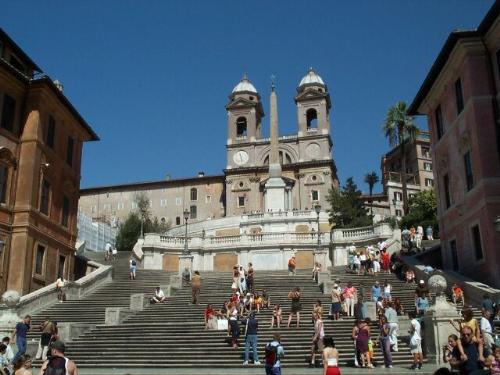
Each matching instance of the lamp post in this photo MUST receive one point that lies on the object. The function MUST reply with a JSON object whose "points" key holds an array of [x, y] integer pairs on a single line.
{"points": [[186, 217], [317, 208]]}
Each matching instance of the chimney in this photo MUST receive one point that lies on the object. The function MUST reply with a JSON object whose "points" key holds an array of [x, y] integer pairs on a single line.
{"points": [[168, 177], [201, 174]]}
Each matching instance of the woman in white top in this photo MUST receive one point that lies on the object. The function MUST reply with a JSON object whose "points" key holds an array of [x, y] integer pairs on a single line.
{"points": [[330, 357], [357, 263], [387, 291], [242, 280]]}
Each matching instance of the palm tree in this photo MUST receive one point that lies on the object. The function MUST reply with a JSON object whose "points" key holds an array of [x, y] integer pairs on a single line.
{"points": [[371, 179], [399, 128]]}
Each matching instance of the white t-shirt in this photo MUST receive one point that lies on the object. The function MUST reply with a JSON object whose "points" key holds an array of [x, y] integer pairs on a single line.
{"points": [[159, 294], [115, 251], [486, 325], [357, 260], [416, 329]]}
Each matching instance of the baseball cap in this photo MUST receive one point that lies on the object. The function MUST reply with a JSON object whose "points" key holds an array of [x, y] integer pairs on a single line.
{"points": [[58, 345]]}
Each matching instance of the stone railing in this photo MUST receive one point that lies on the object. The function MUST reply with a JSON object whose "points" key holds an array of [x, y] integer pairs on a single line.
{"points": [[46, 296], [339, 236], [473, 290]]}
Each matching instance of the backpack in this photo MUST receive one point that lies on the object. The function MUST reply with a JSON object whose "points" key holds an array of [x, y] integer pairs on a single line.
{"points": [[56, 366], [134, 263], [271, 355]]}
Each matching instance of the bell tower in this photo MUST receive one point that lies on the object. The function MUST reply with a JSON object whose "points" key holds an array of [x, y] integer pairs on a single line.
{"points": [[313, 105], [244, 113]]}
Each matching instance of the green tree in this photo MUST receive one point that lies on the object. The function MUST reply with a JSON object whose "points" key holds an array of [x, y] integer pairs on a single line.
{"points": [[136, 221], [400, 128], [129, 232], [422, 211], [371, 179], [346, 208]]}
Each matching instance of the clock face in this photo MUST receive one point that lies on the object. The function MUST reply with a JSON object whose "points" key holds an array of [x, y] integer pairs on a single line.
{"points": [[240, 157]]}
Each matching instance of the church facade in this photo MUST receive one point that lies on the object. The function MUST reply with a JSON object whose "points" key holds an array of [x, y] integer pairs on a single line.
{"points": [[307, 167]]}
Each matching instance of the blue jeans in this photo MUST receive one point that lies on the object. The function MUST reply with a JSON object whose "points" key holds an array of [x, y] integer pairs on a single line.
{"points": [[251, 340], [21, 348], [273, 370]]}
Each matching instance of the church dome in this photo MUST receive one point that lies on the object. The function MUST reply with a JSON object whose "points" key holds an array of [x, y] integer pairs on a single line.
{"points": [[311, 78], [244, 85]]}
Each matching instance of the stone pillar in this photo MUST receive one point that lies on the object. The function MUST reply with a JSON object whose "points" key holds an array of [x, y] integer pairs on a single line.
{"points": [[323, 276], [176, 281], [437, 328], [137, 302], [8, 313], [113, 316], [69, 331], [185, 261], [328, 286]]}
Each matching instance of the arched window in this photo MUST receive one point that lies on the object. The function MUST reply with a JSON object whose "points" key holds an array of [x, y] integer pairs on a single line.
{"points": [[312, 119], [192, 212], [194, 194], [241, 127]]}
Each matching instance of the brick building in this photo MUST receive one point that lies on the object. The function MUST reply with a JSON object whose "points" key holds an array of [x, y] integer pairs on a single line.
{"points": [[41, 139], [461, 98]]}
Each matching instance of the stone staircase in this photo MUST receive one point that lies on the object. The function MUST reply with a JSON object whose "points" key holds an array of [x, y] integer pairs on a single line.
{"points": [[172, 335], [91, 308]]}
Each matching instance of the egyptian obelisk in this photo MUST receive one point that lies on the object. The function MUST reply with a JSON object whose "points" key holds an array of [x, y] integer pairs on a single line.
{"points": [[275, 186]]}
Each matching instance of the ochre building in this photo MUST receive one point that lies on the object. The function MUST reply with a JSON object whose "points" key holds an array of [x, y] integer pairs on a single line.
{"points": [[41, 139]]}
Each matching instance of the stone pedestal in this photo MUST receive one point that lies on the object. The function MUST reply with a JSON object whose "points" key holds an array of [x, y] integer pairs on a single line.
{"points": [[321, 257], [113, 316], [137, 302], [186, 261], [371, 310], [437, 328], [8, 320], [71, 330], [328, 286], [176, 281], [323, 276], [275, 194], [8, 312]]}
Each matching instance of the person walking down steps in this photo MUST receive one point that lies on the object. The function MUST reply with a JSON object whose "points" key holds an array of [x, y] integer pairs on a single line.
{"points": [[133, 268], [195, 287]]}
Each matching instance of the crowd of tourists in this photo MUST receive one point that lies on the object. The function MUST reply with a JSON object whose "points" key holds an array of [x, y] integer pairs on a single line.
{"points": [[375, 310], [412, 238], [50, 350]]}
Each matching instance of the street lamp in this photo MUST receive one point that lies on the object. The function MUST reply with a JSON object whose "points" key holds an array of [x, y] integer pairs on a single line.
{"points": [[317, 208], [186, 217]]}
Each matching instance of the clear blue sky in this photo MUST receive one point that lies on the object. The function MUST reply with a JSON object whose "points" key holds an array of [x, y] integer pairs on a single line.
{"points": [[152, 77]]}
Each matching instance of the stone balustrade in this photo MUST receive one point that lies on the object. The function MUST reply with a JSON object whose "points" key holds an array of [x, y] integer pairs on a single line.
{"points": [[337, 236]]}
